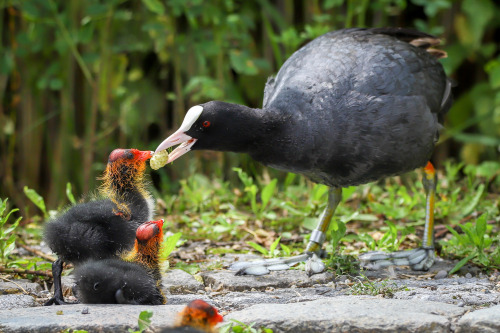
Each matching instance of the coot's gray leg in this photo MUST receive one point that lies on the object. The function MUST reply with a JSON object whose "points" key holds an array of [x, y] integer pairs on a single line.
{"points": [[420, 259], [314, 264]]}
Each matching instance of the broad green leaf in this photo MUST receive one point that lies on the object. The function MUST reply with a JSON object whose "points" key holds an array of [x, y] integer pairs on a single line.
{"points": [[453, 231], [36, 199], [290, 177], [169, 245], [337, 235], [267, 192], [481, 226], [145, 320], [12, 227], [467, 229], [287, 251], [259, 248], [155, 6], [347, 192], [475, 200], [479, 14], [274, 245], [69, 193], [4, 219], [245, 179], [3, 206], [461, 263], [188, 268]]}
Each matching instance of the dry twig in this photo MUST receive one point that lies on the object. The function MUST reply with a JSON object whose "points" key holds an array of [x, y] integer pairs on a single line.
{"points": [[24, 271]]}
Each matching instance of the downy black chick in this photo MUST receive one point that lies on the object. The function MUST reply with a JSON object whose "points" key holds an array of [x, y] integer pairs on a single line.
{"points": [[105, 227], [119, 281]]}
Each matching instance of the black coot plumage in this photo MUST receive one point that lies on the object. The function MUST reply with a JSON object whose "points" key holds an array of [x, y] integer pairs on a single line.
{"points": [[105, 227], [350, 107], [117, 281]]}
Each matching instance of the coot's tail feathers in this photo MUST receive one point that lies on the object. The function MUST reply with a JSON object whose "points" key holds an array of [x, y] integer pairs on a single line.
{"points": [[414, 37]]}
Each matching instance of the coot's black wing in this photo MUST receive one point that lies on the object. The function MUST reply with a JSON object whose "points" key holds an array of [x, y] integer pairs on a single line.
{"points": [[356, 105], [113, 281]]}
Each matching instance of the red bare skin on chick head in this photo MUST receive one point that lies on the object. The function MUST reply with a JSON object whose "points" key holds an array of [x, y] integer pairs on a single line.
{"points": [[148, 230], [149, 238], [199, 314]]}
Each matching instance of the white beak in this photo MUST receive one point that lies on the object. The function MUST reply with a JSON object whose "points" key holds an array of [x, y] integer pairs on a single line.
{"points": [[178, 137]]}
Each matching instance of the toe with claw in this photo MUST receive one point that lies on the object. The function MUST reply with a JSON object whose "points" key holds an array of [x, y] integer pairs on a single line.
{"points": [[420, 259], [314, 265]]}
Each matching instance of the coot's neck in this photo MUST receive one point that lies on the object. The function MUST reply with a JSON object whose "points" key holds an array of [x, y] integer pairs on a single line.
{"points": [[127, 189], [147, 255], [236, 128]]}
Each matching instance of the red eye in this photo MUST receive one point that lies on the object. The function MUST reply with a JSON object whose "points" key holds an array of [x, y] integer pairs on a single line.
{"points": [[206, 123]]}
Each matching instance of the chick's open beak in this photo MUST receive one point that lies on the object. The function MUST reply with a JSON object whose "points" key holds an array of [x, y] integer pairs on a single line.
{"points": [[180, 138], [145, 155]]}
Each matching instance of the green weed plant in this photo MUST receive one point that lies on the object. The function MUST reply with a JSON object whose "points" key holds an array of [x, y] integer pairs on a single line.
{"points": [[7, 235]]}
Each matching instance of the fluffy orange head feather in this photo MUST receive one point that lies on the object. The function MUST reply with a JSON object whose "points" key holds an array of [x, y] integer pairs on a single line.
{"points": [[125, 173], [199, 314]]}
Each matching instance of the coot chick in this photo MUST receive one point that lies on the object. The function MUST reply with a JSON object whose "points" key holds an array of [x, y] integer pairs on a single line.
{"points": [[350, 107], [117, 281], [105, 227], [197, 316], [149, 239]]}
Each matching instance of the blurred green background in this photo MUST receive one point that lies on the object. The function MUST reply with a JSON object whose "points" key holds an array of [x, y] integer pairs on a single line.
{"points": [[80, 78]]}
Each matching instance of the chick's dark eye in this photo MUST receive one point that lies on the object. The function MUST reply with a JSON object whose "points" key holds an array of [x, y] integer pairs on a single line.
{"points": [[96, 285], [206, 123], [129, 155]]}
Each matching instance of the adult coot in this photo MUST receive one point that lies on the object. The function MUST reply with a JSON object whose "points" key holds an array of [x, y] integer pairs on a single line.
{"points": [[350, 107]]}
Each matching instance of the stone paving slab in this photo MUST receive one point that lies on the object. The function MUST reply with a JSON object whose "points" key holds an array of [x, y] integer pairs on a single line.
{"points": [[352, 314], [18, 286], [480, 321], [276, 279], [12, 301], [460, 291], [177, 281], [100, 318]]}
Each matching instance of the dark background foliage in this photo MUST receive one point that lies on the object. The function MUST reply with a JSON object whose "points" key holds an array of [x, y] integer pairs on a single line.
{"points": [[80, 78]]}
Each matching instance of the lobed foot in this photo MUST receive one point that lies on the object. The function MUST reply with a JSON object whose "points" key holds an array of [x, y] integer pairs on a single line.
{"points": [[418, 259], [314, 265]]}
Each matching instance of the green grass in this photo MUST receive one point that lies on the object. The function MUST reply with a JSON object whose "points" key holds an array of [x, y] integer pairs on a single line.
{"points": [[268, 215], [276, 218], [385, 288]]}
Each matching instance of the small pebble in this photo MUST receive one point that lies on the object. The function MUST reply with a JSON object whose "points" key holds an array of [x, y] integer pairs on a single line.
{"points": [[461, 304], [487, 291], [85, 310], [468, 276], [441, 274]]}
